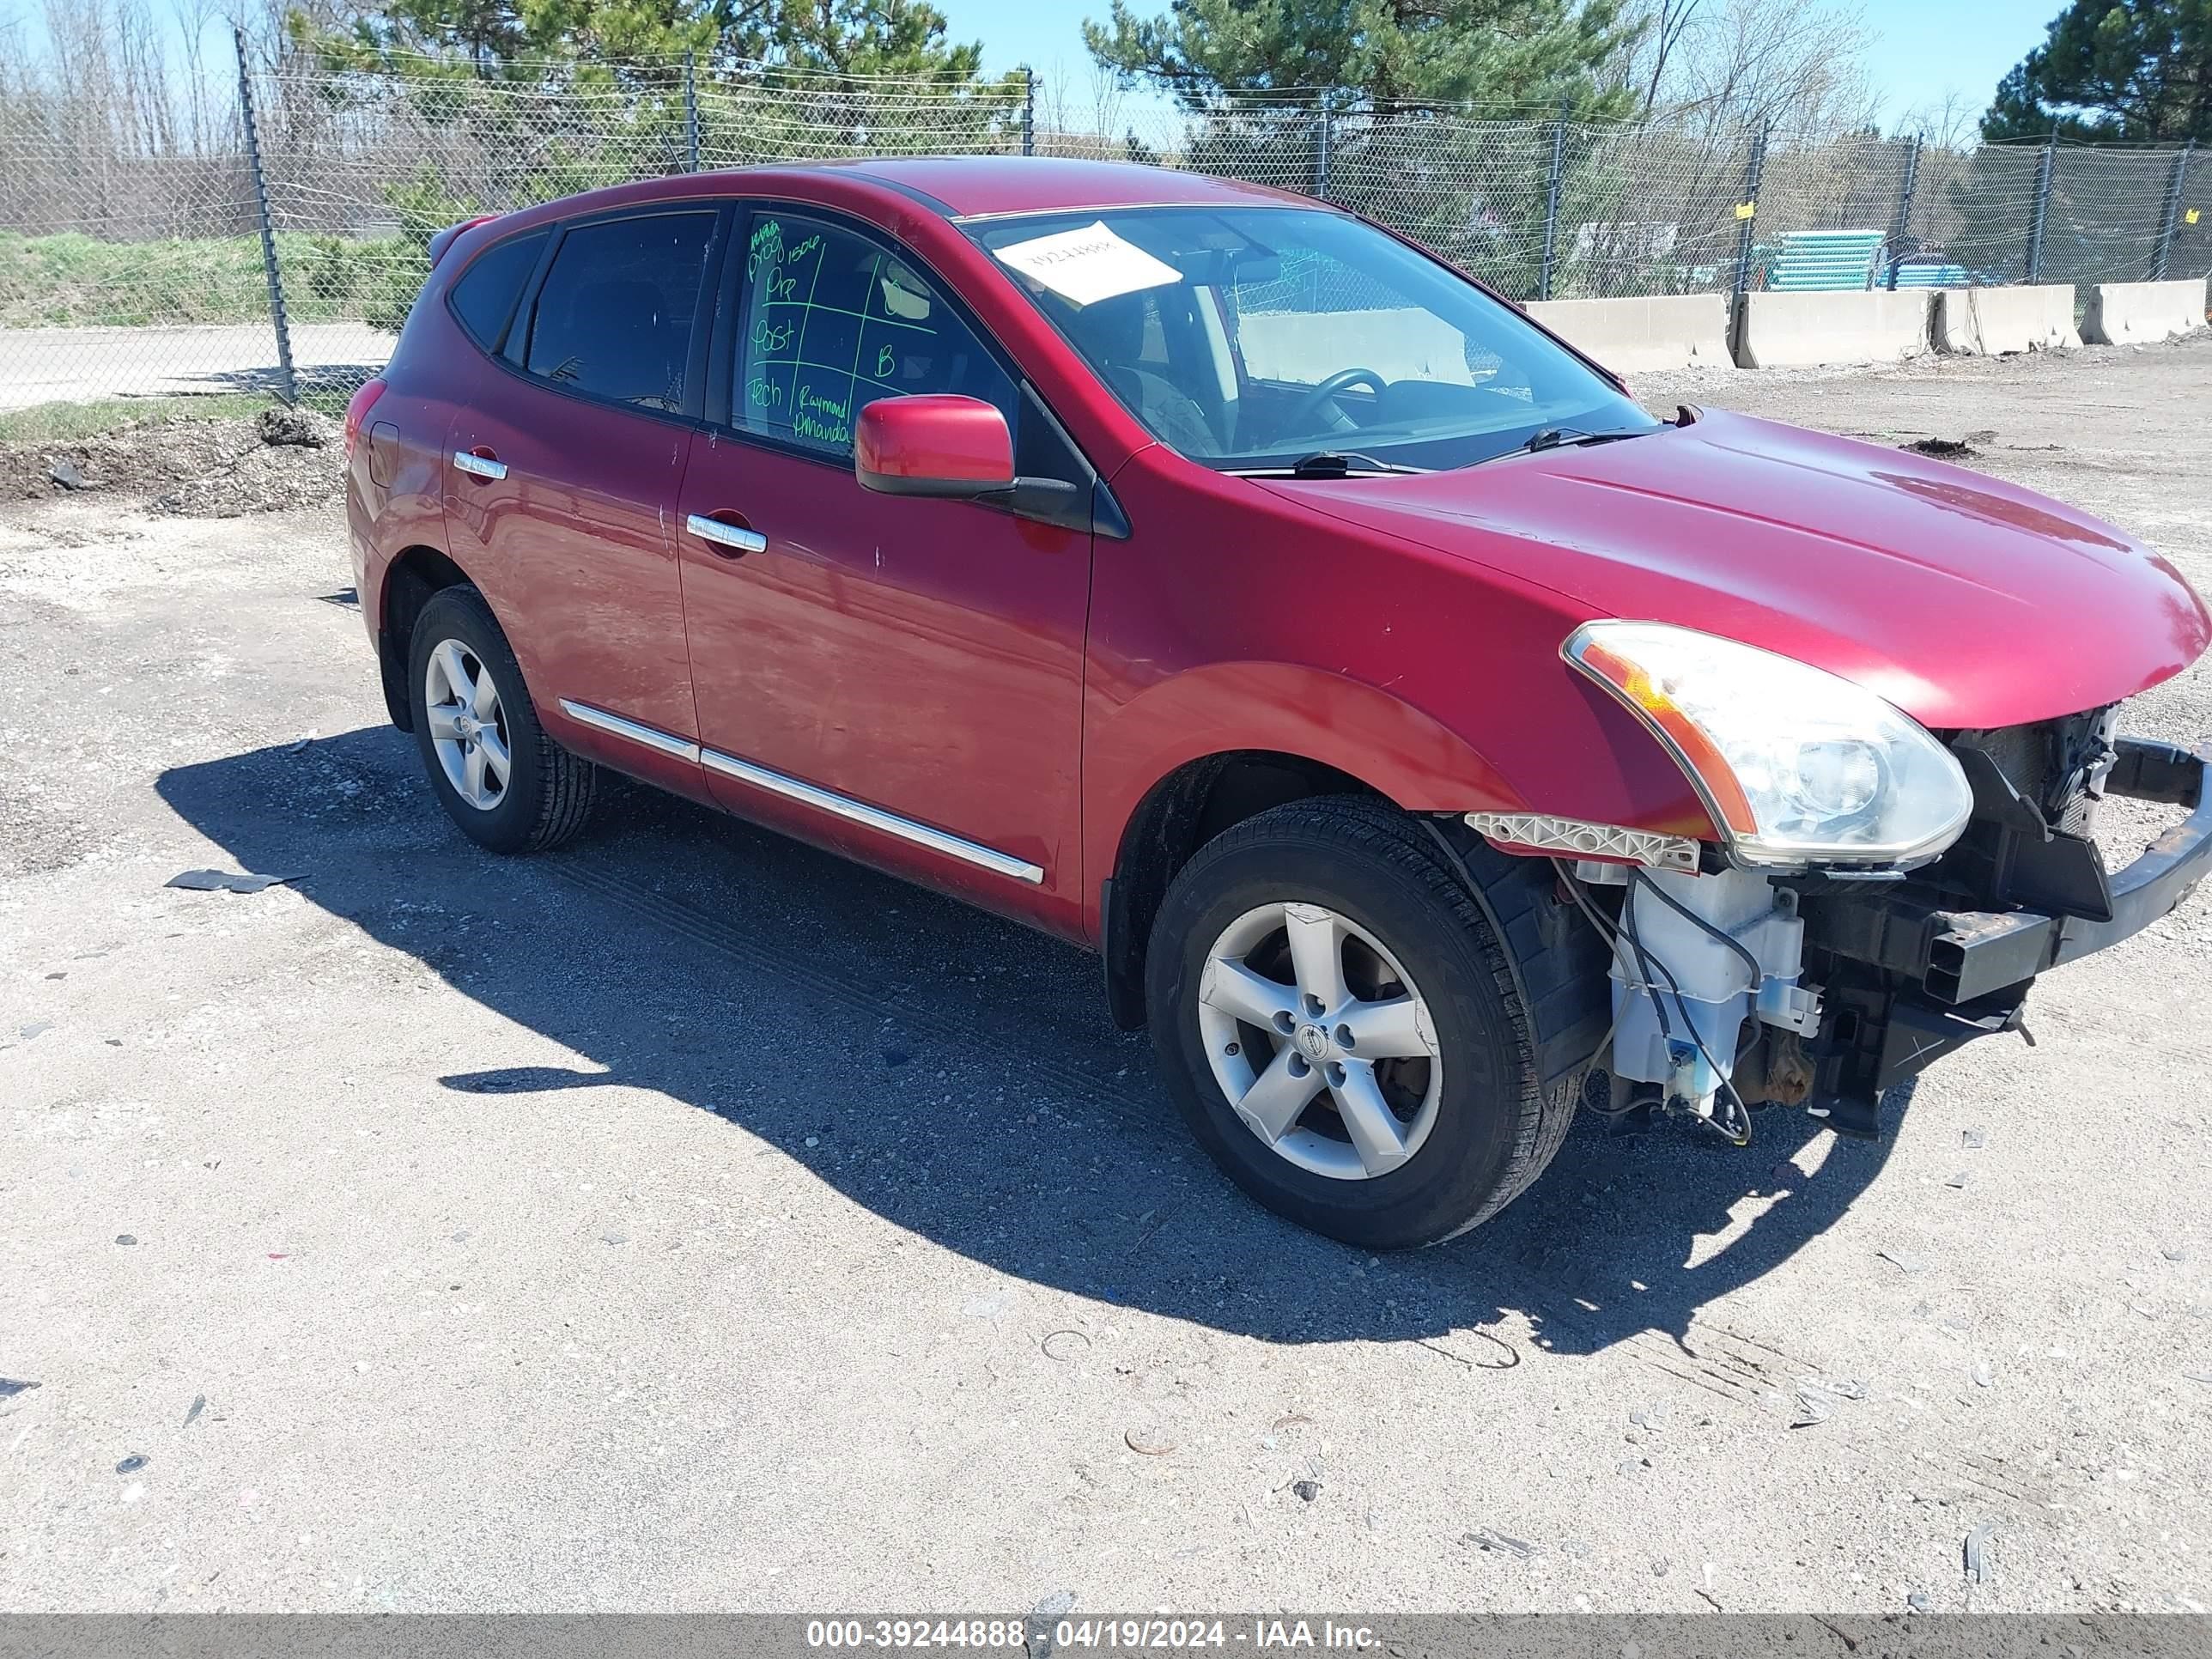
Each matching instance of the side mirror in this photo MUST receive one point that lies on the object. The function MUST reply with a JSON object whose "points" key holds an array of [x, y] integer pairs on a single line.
{"points": [[933, 444]]}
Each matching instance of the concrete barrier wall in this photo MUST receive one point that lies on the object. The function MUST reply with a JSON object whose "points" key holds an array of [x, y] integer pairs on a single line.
{"points": [[1667, 331], [1804, 330], [1770, 331], [1988, 322], [2125, 313], [1628, 336], [1405, 344]]}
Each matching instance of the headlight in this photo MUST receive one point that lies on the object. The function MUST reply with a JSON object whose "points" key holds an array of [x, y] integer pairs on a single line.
{"points": [[1797, 766]]}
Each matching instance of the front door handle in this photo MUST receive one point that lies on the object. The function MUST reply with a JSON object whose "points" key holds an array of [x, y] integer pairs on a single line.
{"points": [[479, 466], [735, 538]]}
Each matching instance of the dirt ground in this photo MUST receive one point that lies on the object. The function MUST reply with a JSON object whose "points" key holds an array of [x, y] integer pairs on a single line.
{"points": [[690, 1220], [207, 469]]}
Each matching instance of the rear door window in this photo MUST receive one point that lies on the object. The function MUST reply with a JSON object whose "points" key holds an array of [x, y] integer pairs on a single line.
{"points": [[484, 297], [615, 314], [833, 321]]}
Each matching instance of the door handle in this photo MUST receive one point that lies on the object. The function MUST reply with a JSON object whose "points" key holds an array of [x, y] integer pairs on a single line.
{"points": [[738, 540], [479, 466]]}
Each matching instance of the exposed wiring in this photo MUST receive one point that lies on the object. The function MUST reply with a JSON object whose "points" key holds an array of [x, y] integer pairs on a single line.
{"points": [[1743, 1111], [1603, 1043], [1607, 931], [1643, 968], [1645, 963], [1758, 973]]}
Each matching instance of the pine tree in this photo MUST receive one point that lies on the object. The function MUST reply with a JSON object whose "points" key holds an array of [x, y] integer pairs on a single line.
{"points": [[904, 38], [496, 40], [1445, 52], [2135, 71]]}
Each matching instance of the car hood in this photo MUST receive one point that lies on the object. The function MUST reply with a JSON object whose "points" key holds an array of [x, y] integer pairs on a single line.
{"points": [[1962, 599]]}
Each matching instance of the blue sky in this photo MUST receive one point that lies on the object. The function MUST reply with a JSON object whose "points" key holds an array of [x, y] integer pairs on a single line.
{"points": [[1922, 48]]}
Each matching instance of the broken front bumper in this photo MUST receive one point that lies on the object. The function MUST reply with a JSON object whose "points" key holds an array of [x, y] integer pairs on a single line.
{"points": [[1913, 978]]}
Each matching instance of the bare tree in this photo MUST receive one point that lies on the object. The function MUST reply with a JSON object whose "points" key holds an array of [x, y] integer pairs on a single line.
{"points": [[1641, 68], [1951, 122], [1080, 112], [1728, 65]]}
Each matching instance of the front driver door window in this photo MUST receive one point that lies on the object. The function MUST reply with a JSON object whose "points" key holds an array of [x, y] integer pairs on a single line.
{"points": [[834, 321], [921, 657]]}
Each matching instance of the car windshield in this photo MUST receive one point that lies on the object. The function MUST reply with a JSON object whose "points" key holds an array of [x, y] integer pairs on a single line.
{"points": [[1253, 339]]}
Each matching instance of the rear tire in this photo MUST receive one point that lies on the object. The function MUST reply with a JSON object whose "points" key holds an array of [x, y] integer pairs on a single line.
{"points": [[508, 785], [1426, 979]]}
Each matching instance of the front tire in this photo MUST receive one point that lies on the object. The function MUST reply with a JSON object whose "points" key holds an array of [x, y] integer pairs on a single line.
{"points": [[1340, 1027], [509, 786]]}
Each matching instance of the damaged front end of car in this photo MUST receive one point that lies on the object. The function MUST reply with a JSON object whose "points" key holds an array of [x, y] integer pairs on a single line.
{"points": [[1910, 968], [1880, 894]]}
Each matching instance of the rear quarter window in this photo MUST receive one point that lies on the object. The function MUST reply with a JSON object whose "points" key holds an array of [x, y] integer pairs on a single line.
{"points": [[613, 319], [484, 297]]}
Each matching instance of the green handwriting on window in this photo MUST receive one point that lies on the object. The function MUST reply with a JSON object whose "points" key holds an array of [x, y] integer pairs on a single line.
{"points": [[831, 324]]}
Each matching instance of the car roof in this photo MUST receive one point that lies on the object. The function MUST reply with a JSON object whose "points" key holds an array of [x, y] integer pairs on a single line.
{"points": [[956, 186], [973, 185]]}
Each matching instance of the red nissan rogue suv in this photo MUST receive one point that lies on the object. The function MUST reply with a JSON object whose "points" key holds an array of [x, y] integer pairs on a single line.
{"points": [[1422, 732]]}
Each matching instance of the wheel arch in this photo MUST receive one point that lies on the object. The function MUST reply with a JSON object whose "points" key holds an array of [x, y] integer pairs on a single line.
{"points": [[1190, 756], [1305, 733], [1557, 964], [412, 577], [1183, 811]]}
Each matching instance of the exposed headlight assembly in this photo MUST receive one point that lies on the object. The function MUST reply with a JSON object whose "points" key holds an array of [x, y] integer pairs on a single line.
{"points": [[1797, 765]]}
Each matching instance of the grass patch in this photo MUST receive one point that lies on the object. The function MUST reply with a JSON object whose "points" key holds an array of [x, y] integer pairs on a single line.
{"points": [[71, 422], [75, 280]]}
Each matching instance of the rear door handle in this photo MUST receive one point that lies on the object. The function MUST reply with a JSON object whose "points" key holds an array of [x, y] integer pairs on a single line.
{"points": [[725, 535], [481, 466]]}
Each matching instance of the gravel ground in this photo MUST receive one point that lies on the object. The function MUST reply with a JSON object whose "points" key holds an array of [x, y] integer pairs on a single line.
{"points": [[688, 1220]]}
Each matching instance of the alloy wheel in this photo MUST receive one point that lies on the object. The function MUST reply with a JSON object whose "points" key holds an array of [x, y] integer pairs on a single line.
{"points": [[468, 727], [1320, 1040]]}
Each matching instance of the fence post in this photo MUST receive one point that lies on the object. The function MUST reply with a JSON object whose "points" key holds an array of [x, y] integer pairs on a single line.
{"points": [[2043, 165], [691, 109], [1028, 111], [1752, 175], [287, 382], [1552, 204], [1903, 210], [2170, 220], [1321, 148]]}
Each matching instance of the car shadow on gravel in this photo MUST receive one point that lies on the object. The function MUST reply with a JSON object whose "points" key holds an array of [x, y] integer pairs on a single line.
{"points": [[957, 1074]]}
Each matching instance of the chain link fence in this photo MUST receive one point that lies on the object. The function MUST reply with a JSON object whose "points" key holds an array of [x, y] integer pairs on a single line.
{"points": [[134, 262]]}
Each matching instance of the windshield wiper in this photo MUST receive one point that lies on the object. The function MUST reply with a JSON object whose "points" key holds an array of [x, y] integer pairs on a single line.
{"points": [[1563, 437], [1327, 464]]}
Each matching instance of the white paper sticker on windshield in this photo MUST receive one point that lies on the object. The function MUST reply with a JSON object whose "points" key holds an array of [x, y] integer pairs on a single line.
{"points": [[1088, 265]]}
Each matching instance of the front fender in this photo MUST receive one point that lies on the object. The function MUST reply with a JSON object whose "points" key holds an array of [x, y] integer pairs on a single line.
{"points": [[1383, 741], [1573, 752]]}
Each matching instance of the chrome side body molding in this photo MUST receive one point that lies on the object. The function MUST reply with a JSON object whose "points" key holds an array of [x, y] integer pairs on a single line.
{"points": [[808, 794], [651, 737]]}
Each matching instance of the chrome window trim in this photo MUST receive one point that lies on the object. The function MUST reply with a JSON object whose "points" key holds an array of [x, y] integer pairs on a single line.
{"points": [[808, 794]]}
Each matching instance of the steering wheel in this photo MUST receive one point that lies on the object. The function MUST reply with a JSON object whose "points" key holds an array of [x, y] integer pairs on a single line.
{"points": [[1308, 408]]}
